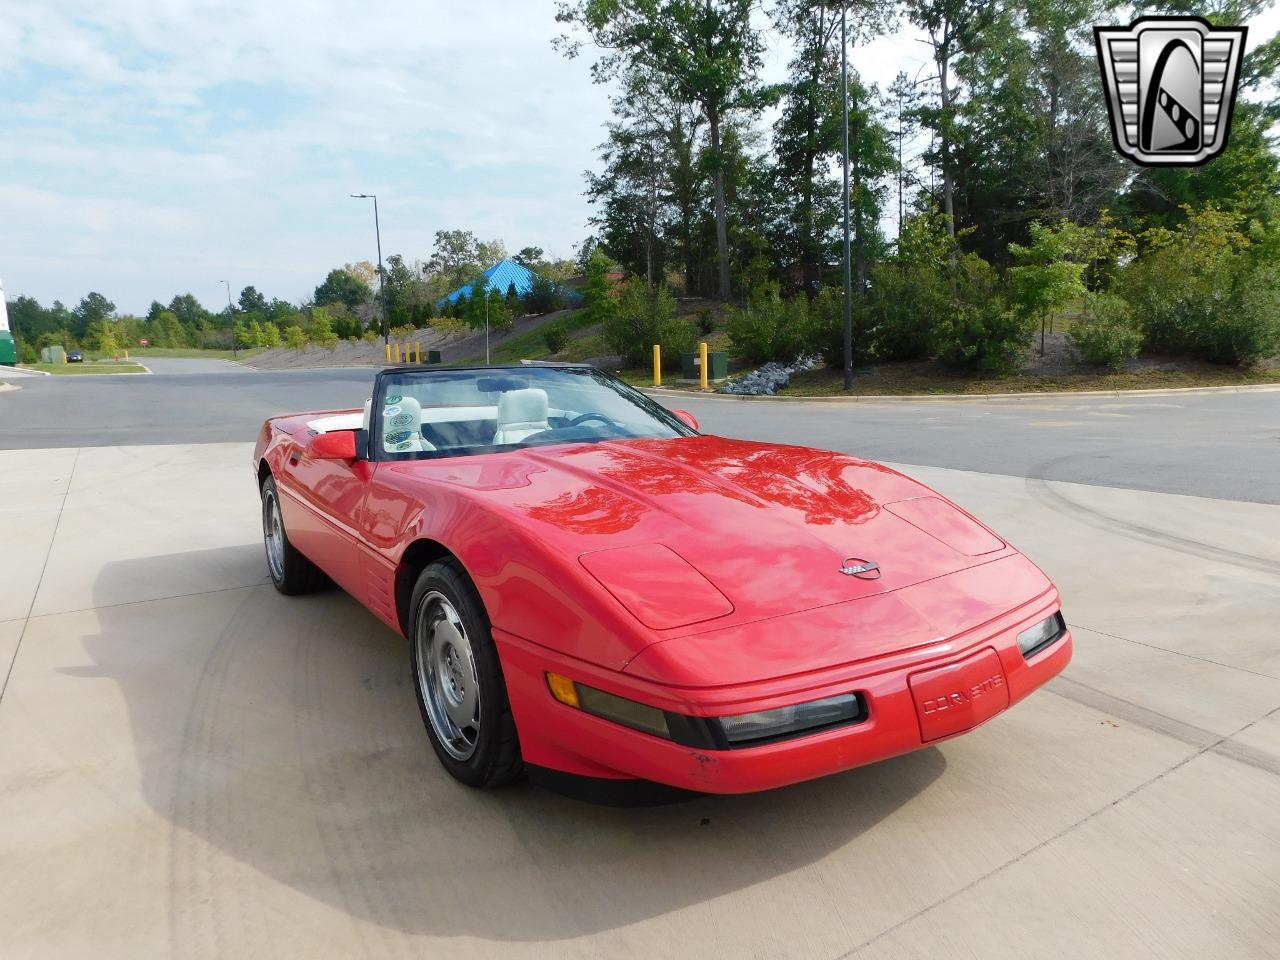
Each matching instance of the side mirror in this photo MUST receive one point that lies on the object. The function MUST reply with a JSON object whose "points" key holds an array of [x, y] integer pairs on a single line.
{"points": [[339, 445], [687, 418]]}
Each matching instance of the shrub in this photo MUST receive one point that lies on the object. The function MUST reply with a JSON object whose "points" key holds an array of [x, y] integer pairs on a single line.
{"points": [[555, 336], [543, 296], [27, 353], [903, 303], [706, 322], [1105, 334], [769, 328], [1200, 291], [450, 325], [644, 317], [977, 331]]}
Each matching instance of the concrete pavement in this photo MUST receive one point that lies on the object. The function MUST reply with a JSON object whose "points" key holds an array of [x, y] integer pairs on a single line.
{"points": [[192, 765]]}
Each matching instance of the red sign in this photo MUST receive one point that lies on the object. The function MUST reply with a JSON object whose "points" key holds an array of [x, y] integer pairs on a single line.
{"points": [[142, 342]]}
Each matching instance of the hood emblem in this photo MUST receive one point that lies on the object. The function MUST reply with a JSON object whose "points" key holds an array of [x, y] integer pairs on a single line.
{"points": [[862, 569]]}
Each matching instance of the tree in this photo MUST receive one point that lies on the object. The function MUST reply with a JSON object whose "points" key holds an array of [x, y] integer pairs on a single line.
{"points": [[322, 328], [103, 335], [708, 51], [600, 294], [807, 134], [904, 95], [342, 286], [454, 256], [953, 28], [543, 296], [251, 301], [92, 310], [166, 330], [245, 334], [295, 338], [528, 256], [1048, 271]]}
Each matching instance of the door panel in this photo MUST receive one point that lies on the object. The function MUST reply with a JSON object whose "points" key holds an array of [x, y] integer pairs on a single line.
{"points": [[325, 523]]}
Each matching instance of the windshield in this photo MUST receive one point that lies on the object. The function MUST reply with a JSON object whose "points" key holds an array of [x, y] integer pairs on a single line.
{"points": [[453, 412]]}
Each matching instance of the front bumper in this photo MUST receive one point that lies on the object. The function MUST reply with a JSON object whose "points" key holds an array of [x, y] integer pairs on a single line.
{"points": [[560, 738]]}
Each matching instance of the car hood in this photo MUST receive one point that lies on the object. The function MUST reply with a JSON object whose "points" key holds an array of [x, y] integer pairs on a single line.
{"points": [[704, 531]]}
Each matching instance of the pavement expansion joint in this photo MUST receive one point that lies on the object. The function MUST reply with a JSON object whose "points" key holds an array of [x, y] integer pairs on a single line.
{"points": [[1177, 653], [1065, 831], [43, 567]]}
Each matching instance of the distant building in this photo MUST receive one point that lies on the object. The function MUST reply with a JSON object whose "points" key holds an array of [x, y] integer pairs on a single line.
{"points": [[499, 277]]}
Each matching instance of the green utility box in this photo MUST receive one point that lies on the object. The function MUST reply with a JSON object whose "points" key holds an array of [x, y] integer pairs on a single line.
{"points": [[433, 356], [8, 349], [717, 361]]}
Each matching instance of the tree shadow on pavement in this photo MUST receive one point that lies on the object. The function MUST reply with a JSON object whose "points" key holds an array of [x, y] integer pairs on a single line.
{"points": [[284, 733]]}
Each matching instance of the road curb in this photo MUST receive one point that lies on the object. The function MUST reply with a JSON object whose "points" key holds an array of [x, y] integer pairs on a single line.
{"points": [[971, 397]]}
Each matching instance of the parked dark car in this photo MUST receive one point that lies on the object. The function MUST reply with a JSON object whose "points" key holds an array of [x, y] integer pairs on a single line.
{"points": [[76, 357]]}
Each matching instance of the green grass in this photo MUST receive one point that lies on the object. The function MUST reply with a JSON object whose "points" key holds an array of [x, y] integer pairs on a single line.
{"points": [[88, 368], [141, 353], [531, 345], [925, 379]]}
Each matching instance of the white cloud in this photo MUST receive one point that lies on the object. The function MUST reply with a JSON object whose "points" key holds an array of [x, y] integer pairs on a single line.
{"points": [[153, 147]]}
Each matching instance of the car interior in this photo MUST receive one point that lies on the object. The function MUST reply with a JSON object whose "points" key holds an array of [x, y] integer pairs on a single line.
{"points": [[478, 414]]}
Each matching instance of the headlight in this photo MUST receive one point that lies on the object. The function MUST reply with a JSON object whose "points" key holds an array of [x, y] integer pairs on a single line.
{"points": [[1034, 639], [796, 718], [710, 733]]}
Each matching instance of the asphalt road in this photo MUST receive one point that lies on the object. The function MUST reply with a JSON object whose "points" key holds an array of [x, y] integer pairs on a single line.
{"points": [[1225, 446]]}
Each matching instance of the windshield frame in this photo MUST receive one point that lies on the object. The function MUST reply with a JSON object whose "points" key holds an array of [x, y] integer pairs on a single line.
{"points": [[378, 454]]}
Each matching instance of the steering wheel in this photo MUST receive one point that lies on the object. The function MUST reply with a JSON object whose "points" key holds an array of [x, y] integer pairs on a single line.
{"points": [[583, 418]]}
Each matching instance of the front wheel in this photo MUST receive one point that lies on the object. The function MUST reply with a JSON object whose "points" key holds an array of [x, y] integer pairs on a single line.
{"points": [[458, 679], [291, 572]]}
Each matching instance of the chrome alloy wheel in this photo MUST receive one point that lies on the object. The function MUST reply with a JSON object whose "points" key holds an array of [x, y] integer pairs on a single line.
{"points": [[447, 676], [273, 534]]}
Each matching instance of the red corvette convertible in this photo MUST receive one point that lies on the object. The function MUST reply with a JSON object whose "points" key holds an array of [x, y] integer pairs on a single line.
{"points": [[598, 595]]}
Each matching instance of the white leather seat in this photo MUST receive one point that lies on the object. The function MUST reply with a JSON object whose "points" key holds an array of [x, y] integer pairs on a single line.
{"points": [[402, 427], [521, 414]]}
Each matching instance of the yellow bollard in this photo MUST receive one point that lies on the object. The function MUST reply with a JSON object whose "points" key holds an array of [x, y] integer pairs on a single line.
{"points": [[388, 353], [702, 359], [417, 349], [126, 354], [397, 353], [657, 364]]}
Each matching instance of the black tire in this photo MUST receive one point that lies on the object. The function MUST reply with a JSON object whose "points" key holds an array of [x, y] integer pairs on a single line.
{"points": [[291, 573], [494, 757]]}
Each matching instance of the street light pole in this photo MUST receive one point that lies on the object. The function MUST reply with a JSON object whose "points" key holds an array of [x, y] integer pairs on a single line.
{"points": [[382, 288], [848, 267], [231, 313]]}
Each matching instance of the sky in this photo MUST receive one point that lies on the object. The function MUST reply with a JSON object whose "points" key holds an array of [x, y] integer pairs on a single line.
{"points": [[157, 147]]}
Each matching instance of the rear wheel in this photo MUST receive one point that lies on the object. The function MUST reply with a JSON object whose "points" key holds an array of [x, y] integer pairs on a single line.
{"points": [[291, 572], [458, 679]]}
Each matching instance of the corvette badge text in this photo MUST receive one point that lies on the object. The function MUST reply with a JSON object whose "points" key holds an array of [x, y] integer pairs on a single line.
{"points": [[1171, 86], [961, 698]]}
